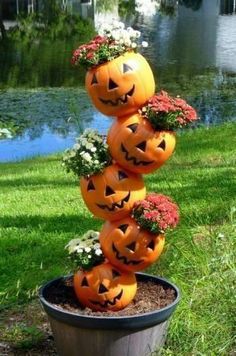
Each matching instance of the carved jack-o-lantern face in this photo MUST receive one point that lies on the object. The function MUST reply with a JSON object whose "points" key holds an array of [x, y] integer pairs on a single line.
{"points": [[135, 145], [121, 86], [129, 247], [105, 287], [112, 194]]}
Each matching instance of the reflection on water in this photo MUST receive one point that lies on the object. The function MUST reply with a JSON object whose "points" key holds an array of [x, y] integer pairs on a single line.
{"points": [[191, 51], [46, 120]]}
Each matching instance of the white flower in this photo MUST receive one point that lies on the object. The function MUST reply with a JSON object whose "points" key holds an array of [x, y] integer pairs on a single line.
{"points": [[96, 246], [89, 256], [87, 157], [116, 35], [117, 24], [127, 42], [133, 45], [144, 44], [98, 252], [130, 29], [87, 249], [220, 235], [95, 234], [96, 161], [93, 149], [6, 133], [79, 250], [137, 34]]}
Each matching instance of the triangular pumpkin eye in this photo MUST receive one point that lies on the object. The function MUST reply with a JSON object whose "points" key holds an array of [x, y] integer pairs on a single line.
{"points": [[162, 145], [94, 80], [84, 282], [123, 227], [151, 245], [122, 175], [102, 289], [133, 127], [90, 186], [126, 68], [142, 146], [131, 246], [115, 274]]}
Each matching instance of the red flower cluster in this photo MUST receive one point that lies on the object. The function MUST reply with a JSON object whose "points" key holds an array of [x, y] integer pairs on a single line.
{"points": [[88, 51], [156, 213], [166, 112], [98, 51]]}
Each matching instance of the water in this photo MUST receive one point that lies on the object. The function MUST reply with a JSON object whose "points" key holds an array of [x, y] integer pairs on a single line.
{"points": [[192, 53]]}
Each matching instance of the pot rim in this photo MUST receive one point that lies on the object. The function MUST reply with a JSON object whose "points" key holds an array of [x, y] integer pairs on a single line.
{"points": [[129, 321]]}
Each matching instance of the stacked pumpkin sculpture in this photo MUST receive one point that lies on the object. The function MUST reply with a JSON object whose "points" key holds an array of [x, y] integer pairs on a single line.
{"points": [[120, 83]]}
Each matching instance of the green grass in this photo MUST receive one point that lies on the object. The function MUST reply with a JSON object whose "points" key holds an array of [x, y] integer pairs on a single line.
{"points": [[41, 209]]}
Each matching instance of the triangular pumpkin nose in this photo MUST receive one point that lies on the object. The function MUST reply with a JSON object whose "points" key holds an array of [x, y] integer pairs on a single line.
{"points": [[112, 85], [142, 146], [102, 289], [109, 191]]}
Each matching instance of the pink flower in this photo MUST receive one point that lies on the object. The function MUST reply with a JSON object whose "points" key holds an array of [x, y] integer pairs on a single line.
{"points": [[90, 55], [156, 213], [166, 112]]}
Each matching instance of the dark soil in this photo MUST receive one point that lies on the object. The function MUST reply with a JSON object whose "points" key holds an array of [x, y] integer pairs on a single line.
{"points": [[150, 296]]}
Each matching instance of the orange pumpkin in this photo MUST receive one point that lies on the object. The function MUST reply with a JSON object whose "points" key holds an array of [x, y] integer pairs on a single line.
{"points": [[135, 145], [112, 194], [119, 87], [104, 287], [129, 247]]}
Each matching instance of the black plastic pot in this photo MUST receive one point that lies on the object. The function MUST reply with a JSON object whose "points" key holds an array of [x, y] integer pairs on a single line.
{"points": [[136, 335]]}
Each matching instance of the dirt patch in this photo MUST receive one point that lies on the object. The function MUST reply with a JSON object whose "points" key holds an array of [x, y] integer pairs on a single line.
{"points": [[150, 296]]}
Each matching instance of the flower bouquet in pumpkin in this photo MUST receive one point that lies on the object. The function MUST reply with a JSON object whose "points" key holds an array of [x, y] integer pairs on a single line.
{"points": [[97, 284], [119, 80], [109, 191], [137, 241], [142, 142]]}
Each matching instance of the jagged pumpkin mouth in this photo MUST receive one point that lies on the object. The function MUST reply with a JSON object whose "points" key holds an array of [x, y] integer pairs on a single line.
{"points": [[118, 205], [124, 259], [108, 302], [121, 100], [133, 159]]}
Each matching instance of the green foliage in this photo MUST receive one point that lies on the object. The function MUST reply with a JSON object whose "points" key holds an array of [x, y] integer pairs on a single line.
{"points": [[106, 5], [88, 156], [126, 8], [64, 26]]}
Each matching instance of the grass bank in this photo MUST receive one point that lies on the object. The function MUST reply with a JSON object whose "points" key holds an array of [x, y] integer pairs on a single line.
{"points": [[41, 209]]}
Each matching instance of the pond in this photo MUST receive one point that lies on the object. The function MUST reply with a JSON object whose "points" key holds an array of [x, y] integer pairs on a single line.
{"points": [[192, 51]]}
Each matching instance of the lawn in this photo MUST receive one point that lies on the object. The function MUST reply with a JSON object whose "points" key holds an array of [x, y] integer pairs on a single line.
{"points": [[41, 209]]}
